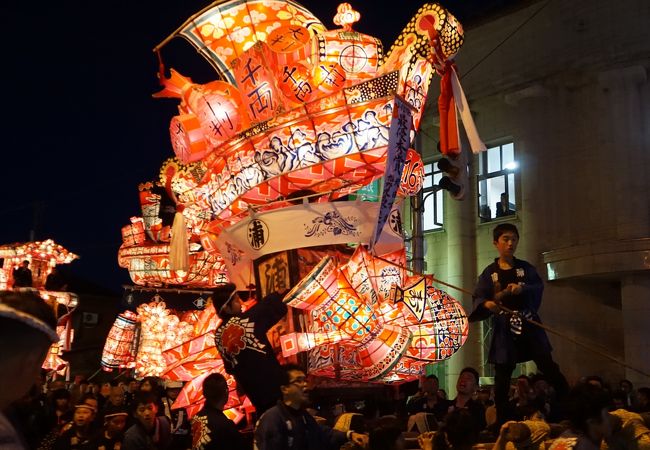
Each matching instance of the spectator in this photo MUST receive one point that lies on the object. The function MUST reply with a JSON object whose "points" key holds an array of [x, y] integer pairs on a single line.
{"points": [[288, 425], [586, 409], [78, 433], [457, 433], [466, 387], [150, 432], [27, 329], [643, 400], [628, 390], [132, 386], [55, 281], [61, 411], [503, 207], [211, 429], [112, 434], [151, 384], [427, 399], [104, 394], [181, 436], [529, 435], [386, 437]]}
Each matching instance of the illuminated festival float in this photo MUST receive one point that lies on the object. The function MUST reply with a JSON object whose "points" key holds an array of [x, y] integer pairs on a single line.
{"points": [[43, 258], [269, 186]]}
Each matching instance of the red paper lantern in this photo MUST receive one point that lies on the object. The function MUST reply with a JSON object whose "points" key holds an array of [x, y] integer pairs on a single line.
{"points": [[296, 84], [412, 174], [188, 140], [329, 77]]}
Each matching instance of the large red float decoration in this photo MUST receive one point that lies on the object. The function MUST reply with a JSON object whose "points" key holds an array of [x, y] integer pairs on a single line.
{"points": [[302, 115]]}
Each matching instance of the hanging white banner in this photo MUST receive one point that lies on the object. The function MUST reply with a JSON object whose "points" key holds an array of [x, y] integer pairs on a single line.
{"points": [[306, 225], [398, 144], [475, 142]]}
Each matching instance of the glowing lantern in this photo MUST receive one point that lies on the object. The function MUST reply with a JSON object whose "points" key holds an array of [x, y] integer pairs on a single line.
{"points": [[295, 83], [368, 321], [356, 53], [328, 77], [412, 174], [218, 109], [290, 44], [223, 32], [194, 359], [119, 348], [159, 330], [216, 106], [188, 140], [257, 83]]}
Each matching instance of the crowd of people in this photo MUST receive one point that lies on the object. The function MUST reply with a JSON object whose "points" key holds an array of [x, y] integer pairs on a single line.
{"points": [[131, 414], [537, 411]]}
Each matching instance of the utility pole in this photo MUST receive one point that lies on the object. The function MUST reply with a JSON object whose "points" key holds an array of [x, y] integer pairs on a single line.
{"points": [[36, 220], [417, 206]]}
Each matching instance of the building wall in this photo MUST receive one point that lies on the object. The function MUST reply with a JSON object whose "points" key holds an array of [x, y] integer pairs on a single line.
{"points": [[571, 90]]}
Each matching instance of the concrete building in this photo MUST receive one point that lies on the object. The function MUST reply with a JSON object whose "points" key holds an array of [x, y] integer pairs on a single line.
{"points": [[563, 103]]}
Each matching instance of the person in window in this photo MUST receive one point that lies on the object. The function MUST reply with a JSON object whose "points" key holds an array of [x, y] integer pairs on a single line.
{"points": [[503, 207]]}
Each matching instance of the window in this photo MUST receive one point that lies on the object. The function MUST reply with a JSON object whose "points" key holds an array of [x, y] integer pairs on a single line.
{"points": [[432, 217], [496, 182]]}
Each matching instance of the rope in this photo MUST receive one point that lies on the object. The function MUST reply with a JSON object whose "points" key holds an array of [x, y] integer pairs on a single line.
{"points": [[534, 322], [557, 333]]}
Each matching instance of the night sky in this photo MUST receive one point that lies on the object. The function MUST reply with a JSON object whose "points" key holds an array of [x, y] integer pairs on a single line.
{"points": [[80, 127]]}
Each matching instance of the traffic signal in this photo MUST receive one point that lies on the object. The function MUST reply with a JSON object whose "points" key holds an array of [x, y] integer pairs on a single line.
{"points": [[456, 177]]}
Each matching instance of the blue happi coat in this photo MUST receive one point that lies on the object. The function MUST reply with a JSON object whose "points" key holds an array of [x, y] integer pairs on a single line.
{"points": [[507, 347]]}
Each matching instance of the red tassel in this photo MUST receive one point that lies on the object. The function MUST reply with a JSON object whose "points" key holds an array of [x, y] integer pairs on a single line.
{"points": [[449, 140]]}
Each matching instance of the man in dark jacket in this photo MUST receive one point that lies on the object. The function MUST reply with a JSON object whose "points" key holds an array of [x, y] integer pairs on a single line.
{"points": [[515, 284], [150, 432], [211, 429], [23, 275], [246, 351], [288, 425]]}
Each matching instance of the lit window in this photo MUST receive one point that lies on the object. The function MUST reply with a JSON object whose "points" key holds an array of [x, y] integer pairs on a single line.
{"points": [[433, 212], [496, 182]]}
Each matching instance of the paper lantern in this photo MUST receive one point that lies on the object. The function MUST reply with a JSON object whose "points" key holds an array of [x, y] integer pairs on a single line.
{"points": [[216, 108], [223, 32], [196, 357], [356, 53], [256, 82], [119, 351], [188, 139], [295, 83], [159, 330], [376, 324], [328, 77], [335, 305], [412, 175], [290, 44], [133, 234]]}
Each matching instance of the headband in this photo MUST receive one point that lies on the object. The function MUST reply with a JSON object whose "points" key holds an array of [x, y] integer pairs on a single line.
{"points": [[87, 406], [228, 300]]}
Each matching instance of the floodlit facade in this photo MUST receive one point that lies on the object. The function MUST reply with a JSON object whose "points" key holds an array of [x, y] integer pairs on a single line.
{"points": [[564, 108]]}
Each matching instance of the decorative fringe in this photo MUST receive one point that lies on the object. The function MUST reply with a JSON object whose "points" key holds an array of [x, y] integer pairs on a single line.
{"points": [[179, 247]]}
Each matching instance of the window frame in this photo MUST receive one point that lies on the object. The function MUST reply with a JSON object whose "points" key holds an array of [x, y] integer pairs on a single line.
{"points": [[483, 176], [437, 195]]}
